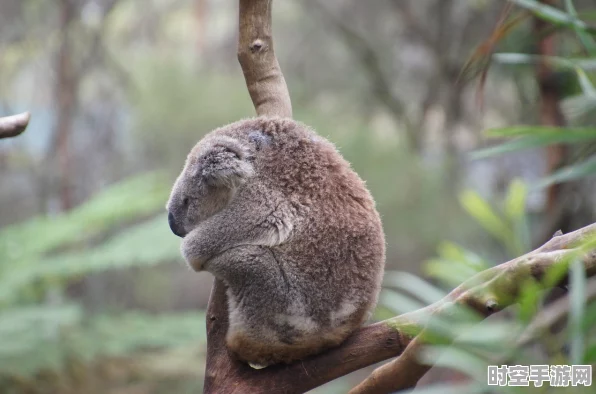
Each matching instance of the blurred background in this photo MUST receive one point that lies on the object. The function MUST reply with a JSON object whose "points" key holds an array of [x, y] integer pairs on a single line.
{"points": [[94, 295]]}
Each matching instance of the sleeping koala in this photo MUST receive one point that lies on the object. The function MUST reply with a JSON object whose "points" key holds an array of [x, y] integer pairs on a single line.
{"points": [[274, 211]]}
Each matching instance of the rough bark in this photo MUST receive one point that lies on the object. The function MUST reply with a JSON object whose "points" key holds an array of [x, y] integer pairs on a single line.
{"points": [[264, 79], [11, 126], [550, 114], [65, 92]]}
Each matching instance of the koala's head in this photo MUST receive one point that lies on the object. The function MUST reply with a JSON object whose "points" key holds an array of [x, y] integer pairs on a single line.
{"points": [[215, 168]]}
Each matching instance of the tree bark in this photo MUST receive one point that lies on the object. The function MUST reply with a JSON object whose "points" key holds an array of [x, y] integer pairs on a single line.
{"points": [[65, 93], [264, 79]]}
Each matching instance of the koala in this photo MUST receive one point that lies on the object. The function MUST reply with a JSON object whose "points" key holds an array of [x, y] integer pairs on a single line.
{"points": [[275, 212]]}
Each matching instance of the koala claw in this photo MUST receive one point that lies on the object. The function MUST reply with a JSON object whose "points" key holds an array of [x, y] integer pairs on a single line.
{"points": [[257, 366]]}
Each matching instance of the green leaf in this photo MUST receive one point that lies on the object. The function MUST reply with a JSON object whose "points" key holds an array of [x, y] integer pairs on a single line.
{"points": [[454, 358], [399, 303], [590, 355], [148, 243], [480, 210], [587, 64], [535, 137], [489, 335], [569, 173], [575, 134], [515, 204], [528, 300], [414, 285], [585, 83], [454, 264], [515, 201], [579, 105], [553, 15], [121, 203], [42, 337], [586, 40]]}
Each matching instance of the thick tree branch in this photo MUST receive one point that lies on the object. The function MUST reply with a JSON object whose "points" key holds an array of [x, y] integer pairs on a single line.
{"points": [[11, 126], [264, 79]]}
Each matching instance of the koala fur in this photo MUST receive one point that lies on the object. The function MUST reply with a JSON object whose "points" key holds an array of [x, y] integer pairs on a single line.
{"points": [[272, 209]]}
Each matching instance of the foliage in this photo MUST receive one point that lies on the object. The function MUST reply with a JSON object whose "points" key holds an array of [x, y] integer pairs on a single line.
{"points": [[463, 342], [40, 329]]}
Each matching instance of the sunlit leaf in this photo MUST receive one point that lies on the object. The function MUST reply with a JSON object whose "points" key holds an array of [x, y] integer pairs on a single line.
{"points": [[571, 63], [454, 358], [414, 285], [484, 214], [399, 303], [515, 201]]}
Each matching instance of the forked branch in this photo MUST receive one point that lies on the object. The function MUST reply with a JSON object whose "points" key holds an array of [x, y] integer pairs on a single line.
{"points": [[11, 126]]}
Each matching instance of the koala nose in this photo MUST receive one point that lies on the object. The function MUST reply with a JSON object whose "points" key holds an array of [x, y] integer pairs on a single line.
{"points": [[174, 226]]}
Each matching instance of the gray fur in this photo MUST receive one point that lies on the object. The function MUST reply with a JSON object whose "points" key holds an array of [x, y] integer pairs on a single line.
{"points": [[275, 212]]}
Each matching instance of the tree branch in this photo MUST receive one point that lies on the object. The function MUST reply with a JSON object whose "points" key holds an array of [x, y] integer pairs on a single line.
{"points": [[264, 79], [488, 292], [11, 126]]}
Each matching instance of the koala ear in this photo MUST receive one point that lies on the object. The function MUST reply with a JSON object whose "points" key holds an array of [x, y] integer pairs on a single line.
{"points": [[225, 164]]}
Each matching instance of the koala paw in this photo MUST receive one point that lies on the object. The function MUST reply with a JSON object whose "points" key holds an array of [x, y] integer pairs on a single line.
{"points": [[193, 254]]}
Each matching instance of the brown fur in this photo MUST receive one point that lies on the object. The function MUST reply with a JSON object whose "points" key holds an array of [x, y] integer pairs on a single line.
{"points": [[273, 210]]}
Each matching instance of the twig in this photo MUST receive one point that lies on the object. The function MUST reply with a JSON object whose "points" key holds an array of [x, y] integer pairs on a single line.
{"points": [[11, 126]]}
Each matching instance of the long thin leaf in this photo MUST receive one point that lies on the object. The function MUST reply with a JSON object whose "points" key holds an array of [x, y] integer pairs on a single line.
{"points": [[569, 173], [587, 41], [553, 15], [540, 139], [579, 133], [414, 285], [587, 64]]}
